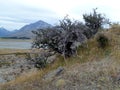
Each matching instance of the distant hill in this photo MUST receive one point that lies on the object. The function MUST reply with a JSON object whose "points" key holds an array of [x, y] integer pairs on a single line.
{"points": [[26, 30], [4, 32]]}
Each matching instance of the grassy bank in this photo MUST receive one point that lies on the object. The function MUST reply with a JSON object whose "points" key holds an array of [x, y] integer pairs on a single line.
{"points": [[92, 68], [13, 51]]}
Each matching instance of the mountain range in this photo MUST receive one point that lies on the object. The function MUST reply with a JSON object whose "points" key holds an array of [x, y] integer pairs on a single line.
{"points": [[25, 31], [4, 32]]}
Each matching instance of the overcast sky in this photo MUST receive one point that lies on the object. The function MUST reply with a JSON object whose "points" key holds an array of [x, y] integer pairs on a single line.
{"points": [[16, 13]]}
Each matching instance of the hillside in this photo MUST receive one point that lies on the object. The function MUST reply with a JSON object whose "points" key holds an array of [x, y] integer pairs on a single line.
{"points": [[4, 32], [92, 69], [26, 31]]}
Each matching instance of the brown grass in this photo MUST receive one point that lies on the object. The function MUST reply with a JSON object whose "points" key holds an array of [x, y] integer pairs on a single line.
{"points": [[93, 68], [13, 51]]}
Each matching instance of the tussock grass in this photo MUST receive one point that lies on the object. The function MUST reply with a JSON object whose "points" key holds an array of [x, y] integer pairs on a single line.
{"points": [[92, 68]]}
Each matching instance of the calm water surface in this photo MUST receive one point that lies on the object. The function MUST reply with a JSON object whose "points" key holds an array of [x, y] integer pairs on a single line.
{"points": [[15, 44]]}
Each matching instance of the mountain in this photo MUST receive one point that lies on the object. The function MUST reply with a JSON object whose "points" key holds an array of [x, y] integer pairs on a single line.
{"points": [[4, 32], [26, 31]]}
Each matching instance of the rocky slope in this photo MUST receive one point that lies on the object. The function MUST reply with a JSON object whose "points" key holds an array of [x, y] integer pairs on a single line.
{"points": [[13, 65], [92, 69]]}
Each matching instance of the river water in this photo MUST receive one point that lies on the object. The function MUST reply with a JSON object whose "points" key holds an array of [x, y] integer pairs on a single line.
{"points": [[15, 44]]}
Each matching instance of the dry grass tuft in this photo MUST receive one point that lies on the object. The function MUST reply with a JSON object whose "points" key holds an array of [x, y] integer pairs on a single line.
{"points": [[93, 68]]}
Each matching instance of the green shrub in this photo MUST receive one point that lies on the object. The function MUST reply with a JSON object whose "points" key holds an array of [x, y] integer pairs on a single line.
{"points": [[65, 37], [61, 38], [102, 41], [95, 21], [40, 62]]}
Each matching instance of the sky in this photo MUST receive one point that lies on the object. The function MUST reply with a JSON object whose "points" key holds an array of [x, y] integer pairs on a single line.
{"points": [[14, 14]]}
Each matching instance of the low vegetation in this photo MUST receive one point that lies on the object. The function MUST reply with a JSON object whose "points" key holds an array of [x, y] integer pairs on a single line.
{"points": [[13, 51], [90, 65], [92, 68], [68, 35], [102, 40]]}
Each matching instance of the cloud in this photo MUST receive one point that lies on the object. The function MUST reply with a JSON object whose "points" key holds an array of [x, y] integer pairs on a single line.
{"points": [[17, 13], [11, 25]]}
